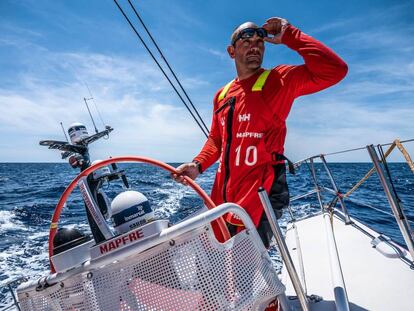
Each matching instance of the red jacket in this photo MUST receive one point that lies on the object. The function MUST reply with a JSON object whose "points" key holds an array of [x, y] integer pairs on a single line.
{"points": [[249, 126]]}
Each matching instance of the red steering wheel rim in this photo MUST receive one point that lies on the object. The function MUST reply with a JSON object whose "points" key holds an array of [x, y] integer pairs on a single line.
{"points": [[219, 226]]}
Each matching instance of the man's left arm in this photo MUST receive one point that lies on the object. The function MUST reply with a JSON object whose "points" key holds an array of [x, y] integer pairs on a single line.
{"points": [[322, 68]]}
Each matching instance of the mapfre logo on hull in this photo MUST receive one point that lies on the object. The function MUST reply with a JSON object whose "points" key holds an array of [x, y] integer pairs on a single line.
{"points": [[121, 241], [128, 239]]}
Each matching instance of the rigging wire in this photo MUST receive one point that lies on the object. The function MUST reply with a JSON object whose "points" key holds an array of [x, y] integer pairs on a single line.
{"points": [[167, 63], [160, 67]]}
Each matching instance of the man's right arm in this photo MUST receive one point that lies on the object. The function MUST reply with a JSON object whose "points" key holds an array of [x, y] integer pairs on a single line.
{"points": [[208, 155], [210, 152]]}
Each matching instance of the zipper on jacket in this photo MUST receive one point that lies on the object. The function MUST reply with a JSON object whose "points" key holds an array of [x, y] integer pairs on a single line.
{"points": [[229, 126], [230, 101]]}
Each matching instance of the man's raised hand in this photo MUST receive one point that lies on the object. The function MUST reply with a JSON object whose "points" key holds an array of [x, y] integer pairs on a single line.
{"points": [[276, 27]]}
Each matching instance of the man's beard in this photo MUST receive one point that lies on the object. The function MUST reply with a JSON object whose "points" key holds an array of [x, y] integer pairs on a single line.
{"points": [[254, 61], [254, 64]]}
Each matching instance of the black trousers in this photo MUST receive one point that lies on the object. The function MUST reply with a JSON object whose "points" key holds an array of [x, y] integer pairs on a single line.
{"points": [[279, 198]]}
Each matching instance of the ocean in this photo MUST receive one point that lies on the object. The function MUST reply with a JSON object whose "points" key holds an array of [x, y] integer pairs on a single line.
{"points": [[30, 191]]}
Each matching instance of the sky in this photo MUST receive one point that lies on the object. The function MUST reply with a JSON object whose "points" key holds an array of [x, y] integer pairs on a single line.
{"points": [[51, 52]]}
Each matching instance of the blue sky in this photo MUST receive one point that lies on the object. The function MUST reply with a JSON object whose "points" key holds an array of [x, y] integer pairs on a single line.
{"points": [[50, 49]]}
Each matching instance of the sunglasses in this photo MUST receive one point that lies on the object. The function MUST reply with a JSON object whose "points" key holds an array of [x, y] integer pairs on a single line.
{"points": [[249, 33]]}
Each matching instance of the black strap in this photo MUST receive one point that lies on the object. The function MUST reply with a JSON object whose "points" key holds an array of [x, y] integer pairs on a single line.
{"points": [[282, 157]]}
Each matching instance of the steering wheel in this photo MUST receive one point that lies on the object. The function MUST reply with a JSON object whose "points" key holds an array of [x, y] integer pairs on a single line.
{"points": [[219, 226]]}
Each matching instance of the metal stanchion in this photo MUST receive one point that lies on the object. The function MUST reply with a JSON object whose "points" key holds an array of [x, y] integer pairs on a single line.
{"points": [[283, 249], [341, 201], [395, 205], [315, 181]]}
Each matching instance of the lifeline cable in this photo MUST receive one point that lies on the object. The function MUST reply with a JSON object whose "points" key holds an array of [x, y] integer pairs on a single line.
{"points": [[362, 148], [168, 65], [404, 141], [159, 66]]}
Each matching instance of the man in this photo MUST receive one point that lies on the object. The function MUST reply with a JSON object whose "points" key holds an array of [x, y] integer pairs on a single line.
{"points": [[249, 118]]}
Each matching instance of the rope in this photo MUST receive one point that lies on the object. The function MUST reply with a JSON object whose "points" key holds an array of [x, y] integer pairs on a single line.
{"points": [[159, 66], [405, 154], [395, 143], [367, 175]]}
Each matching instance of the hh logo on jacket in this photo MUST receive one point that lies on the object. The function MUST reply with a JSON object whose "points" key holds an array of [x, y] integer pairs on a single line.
{"points": [[244, 117]]}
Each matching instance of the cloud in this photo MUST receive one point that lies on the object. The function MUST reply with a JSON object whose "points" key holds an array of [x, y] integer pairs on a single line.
{"points": [[220, 54], [376, 39], [372, 105], [330, 125], [11, 29], [395, 69], [131, 95], [375, 16], [342, 23]]}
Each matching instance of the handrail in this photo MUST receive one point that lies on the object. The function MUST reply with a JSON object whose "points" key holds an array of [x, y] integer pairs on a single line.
{"points": [[166, 235]]}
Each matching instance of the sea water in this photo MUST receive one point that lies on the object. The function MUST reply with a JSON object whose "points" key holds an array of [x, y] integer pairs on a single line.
{"points": [[29, 193]]}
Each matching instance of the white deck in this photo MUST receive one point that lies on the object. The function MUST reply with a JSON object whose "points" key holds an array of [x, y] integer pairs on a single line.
{"points": [[373, 281]]}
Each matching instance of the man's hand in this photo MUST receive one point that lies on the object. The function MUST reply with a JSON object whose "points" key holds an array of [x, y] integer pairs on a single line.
{"points": [[186, 169], [275, 26]]}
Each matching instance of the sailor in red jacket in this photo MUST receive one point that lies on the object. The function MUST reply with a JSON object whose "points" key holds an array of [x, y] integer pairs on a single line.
{"points": [[249, 118]]}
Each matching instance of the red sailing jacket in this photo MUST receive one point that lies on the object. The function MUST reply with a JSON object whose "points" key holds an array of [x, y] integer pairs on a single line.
{"points": [[248, 126]]}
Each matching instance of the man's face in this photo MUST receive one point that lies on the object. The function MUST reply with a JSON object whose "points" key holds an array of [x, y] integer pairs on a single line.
{"points": [[247, 52]]}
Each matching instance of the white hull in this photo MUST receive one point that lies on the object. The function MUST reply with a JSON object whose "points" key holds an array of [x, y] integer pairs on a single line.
{"points": [[374, 280]]}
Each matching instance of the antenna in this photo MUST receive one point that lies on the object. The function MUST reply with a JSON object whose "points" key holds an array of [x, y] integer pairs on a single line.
{"points": [[94, 103], [90, 114], [64, 133]]}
